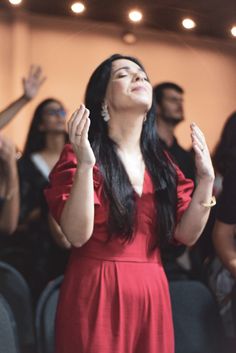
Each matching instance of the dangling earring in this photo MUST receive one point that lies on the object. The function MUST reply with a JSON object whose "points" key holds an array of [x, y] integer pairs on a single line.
{"points": [[104, 112], [145, 118]]}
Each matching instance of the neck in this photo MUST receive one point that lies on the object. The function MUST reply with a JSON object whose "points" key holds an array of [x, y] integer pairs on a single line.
{"points": [[166, 132], [125, 130], [55, 142]]}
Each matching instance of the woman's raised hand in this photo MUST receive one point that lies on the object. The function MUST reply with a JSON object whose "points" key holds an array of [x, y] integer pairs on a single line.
{"points": [[33, 82], [202, 155], [78, 127]]}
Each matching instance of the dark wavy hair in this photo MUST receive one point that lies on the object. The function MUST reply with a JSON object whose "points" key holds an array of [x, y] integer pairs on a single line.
{"points": [[36, 139], [224, 156], [118, 189]]}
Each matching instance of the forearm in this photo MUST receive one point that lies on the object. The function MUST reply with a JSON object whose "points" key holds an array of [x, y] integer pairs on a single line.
{"points": [[224, 242], [77, 219], [57, 234], [10, 211], [195, 217], [7, 114]]}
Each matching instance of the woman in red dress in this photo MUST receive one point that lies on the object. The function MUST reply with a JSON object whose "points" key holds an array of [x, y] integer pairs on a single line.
{"points": [[119, 200]]}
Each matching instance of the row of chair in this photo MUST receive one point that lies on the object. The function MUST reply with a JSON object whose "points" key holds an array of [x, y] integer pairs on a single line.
{"points": [[196, 320]]}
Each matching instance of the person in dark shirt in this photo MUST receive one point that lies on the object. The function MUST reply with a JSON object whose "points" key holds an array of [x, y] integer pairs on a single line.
{"points": [[170, 113], [224, 233]]}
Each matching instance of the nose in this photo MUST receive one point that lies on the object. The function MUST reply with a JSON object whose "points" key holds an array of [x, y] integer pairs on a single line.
{"points": [[138, 76]]}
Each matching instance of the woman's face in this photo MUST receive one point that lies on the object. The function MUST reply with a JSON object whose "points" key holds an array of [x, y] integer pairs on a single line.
{"points": [[128, 88], [54, 118]]}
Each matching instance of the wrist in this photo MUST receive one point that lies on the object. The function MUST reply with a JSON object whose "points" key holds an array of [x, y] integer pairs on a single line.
{"points": [[12, 173], [209, 203], [25, 98], [10, 194], [84, 168], [12, 179]]}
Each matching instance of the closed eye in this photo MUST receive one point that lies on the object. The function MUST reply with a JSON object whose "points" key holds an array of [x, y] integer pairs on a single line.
{"points": [[121, 75]]}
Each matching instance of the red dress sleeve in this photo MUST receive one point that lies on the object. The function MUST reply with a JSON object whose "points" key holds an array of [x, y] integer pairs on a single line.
{"points": [[61, 180], [184, 192]]}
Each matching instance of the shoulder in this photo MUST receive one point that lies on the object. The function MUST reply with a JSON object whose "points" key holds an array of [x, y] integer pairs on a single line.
{"points": [[26, 167], [66, 166]]}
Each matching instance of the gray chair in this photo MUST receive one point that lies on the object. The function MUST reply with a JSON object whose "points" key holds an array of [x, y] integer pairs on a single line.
{"points": [[15, 290], [8, 334], [196, 319], [45, 316]]}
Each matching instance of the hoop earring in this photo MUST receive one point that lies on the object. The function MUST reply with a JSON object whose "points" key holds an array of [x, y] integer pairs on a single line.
{"points": [[104, 112]]}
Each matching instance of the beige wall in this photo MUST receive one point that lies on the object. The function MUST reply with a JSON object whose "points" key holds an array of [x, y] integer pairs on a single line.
{"points": [[69, 49]]}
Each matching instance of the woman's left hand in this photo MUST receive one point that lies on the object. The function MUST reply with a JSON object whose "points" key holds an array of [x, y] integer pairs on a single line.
{"points": [[204, 167]]}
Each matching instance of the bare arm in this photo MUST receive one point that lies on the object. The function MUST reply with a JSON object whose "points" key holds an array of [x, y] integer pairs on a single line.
{"points": [[9, 112], [195, 217], [224, 242], [31, 86], [77, 219], [9, 189], [57, 233]]}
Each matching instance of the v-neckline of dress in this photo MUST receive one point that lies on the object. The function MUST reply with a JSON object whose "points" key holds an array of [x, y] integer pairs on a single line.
{"points": [[139, 196]]}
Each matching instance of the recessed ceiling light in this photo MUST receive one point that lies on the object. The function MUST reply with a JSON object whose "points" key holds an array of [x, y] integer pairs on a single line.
{"points": [[233, 31], [78, 7], [135, 15], [15, 2], [188, 23], [129, 37]]}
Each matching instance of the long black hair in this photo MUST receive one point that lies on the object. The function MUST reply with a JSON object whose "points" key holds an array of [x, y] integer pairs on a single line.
{"points": [[118, 189], [36, 139], [224, 156]]}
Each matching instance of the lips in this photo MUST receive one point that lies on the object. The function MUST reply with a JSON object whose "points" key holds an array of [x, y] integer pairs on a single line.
{"points": [[139, 88]]}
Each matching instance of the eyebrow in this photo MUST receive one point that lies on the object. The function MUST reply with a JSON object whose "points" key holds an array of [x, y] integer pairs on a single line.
{"points": [[128, 68]]}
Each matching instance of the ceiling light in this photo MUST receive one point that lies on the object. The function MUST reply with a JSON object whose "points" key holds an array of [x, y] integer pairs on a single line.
{"points": [[129, 38], [15, 2], [233, 31], [78, 7], [188, 23], [135, 15]]}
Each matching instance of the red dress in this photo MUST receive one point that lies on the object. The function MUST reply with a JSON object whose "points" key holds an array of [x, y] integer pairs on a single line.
{"points": [[115, 296]]}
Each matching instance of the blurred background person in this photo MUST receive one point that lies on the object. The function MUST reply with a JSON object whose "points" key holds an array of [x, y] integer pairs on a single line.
{"points": [[39, 258], [169, 99], [223, 268], [9, 187]]}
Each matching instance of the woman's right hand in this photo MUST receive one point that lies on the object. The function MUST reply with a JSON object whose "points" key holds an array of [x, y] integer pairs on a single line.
{"points": [[78, 127]]}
